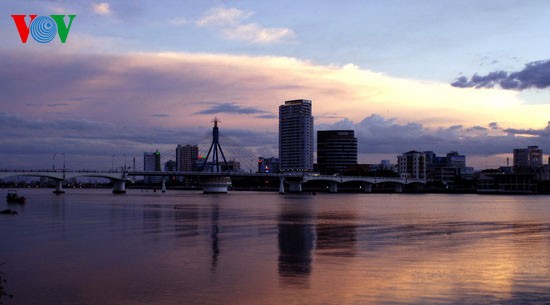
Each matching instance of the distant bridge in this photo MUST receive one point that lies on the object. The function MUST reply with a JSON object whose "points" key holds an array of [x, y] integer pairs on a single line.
{"points": [[367, 181], [119, 178], [294, 180], [63, 175]]}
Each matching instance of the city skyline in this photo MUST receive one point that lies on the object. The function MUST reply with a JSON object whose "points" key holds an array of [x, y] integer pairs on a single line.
{"points": [[135, 77]]}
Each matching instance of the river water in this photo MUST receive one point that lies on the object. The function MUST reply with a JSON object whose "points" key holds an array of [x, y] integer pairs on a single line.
{"points": [[182, 247]]}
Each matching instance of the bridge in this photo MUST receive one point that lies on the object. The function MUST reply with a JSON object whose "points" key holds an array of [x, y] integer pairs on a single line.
{"points": [[119, 178], [366, 181], [293, 180]]}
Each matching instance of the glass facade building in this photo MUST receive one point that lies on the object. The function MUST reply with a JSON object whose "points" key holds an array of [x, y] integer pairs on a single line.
{"points": [[336, 150]]}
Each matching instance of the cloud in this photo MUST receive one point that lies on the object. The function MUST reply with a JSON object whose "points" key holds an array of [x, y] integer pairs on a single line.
{"points": [[59, 10], [534, 75], [179, 21], [128, 87], [267, 116], [257, 34], [229, 108], [231, 23], [329, 116], [58, 105], [101, 8], [379, 135], [90, 144], [116, 103], [539, 133], [221, 16]]}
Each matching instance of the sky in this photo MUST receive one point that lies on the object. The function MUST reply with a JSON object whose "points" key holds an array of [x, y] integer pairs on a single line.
{"points": [[136, 76]]}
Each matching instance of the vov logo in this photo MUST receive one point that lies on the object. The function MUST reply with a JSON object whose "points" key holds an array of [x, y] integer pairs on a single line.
{"points": [[43, 28]]}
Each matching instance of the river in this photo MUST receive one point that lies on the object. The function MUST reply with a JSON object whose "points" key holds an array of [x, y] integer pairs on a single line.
{"points": [[183, 247]]}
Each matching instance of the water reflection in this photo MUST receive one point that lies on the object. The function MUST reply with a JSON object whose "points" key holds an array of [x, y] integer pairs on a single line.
{"points": [[342, 249], [186, 220], [152, 218], [58, 208], [215, 217], [296, 240], [336, 234]]}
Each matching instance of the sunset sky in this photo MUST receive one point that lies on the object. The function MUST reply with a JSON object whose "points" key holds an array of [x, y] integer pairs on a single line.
{"points": [[135, 76]]}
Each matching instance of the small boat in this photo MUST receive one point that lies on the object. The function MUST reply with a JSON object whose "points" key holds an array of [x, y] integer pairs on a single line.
{"points": [[14, 198]]}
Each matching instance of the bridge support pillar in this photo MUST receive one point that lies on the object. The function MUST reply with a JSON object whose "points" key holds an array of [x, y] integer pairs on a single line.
{"points": [[333, 187], [119, 187], [367, 188], [163, 189], [59, 187], [398, 188], [295, 186], [281, 185]]}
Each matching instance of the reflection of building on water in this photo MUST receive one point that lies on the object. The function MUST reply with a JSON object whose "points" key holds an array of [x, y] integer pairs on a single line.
{"points": [[336, 234], [152, 218], [214, 234], [185, 220], [296, 238]]}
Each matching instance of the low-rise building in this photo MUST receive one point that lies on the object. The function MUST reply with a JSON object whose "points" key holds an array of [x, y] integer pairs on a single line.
{"points": [[268, 165], [412, 165]]}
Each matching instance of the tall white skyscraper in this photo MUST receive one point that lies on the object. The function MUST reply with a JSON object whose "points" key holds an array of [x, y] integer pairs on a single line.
{"points": [[296, 136]]}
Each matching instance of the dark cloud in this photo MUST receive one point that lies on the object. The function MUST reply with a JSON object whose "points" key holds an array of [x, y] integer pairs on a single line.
{"points": [[267, 116], [534, 75], [329, 116], [85, 135], [378, 135], [542, 133], [230, 108], [161, 115], [477, 128], [28, 143]]}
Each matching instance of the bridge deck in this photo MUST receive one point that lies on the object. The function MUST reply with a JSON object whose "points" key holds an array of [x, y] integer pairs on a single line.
{"points": [[119, 175]]}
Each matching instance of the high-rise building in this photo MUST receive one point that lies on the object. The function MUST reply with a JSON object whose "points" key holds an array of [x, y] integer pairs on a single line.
{"points": [[186, 157], [412, 165], [336, 150], [296, 136], [527, 158], [151, 163]]}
